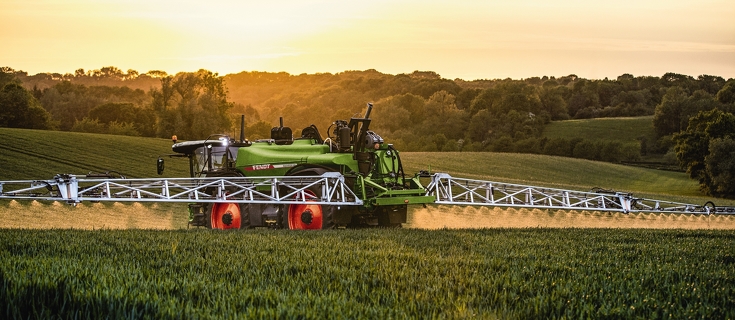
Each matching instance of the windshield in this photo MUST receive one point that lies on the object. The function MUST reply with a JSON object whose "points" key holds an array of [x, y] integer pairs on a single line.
{"points": [[202, 161]]}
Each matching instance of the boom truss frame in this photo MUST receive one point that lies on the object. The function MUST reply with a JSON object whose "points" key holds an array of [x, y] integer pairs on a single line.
{"points": [[281, 190], [458, 191], [444, 188]]}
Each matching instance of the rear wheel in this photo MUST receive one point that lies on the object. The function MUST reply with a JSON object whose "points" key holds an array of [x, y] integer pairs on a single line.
{"points": [[226, 215], [307, 216]]}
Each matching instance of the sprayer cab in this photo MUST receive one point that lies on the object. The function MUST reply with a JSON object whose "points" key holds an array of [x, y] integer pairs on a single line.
{"points": [[214, 156]]}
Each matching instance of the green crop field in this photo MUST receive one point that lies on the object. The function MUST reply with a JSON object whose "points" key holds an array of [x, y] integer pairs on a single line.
{"points": [[371, 273], [625, 130]]}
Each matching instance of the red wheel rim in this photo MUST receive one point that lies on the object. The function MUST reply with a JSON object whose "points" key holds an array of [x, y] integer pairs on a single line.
{"points": [[226, 216], [305, 216]]}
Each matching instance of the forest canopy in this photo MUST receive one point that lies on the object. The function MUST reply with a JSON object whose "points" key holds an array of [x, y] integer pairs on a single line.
{"points": [[479, 111]]}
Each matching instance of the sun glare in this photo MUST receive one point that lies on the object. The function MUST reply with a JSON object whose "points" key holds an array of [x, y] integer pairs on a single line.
{"points": [[468, 39]]}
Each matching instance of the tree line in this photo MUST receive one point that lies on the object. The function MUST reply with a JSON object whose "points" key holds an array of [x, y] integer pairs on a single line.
{"points": [[191, 105]]}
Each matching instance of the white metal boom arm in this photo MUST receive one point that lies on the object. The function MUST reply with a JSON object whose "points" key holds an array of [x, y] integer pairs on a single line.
{"points": [[292, 190], [458, 191], [285, 190]]}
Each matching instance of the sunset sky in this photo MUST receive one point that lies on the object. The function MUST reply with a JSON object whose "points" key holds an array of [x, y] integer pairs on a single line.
{"points": [[455, 38]]}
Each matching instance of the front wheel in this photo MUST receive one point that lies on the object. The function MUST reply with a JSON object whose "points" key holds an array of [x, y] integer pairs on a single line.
{"points": [[225, 215]]}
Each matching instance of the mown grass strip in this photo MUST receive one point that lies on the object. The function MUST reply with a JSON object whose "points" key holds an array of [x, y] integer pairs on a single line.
{"points": [[624, 130]]}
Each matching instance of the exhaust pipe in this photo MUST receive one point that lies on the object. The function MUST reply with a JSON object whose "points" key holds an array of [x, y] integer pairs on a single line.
{"points": [[370, 108], [242, 128]]}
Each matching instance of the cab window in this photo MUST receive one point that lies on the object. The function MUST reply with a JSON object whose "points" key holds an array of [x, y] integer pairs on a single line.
{"points": [[212, 158]]}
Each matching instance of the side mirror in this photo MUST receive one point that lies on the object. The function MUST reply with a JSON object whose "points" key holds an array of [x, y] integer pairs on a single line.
{"points": [[159, 166]]}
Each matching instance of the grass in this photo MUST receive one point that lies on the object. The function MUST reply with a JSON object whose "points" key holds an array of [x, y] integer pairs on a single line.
{"points": [[39, 154], [625, 130]]}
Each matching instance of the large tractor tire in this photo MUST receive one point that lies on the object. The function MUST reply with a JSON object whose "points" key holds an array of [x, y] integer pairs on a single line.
{"points": [[310, 216], [226, 215]]}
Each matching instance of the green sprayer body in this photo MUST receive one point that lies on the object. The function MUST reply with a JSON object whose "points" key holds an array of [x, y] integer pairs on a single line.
{"points": [[371, 168]]}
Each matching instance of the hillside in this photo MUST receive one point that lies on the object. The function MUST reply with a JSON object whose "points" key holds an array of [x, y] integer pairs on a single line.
{"points": [[38, 154], [34, 154]]}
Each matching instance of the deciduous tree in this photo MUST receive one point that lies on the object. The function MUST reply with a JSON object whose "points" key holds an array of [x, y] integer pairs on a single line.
{"points": [[693, 146], [720, 166], [19, 109]]}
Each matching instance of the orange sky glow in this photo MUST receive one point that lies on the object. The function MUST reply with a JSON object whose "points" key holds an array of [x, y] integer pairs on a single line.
{"points": [[458, 39]]}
